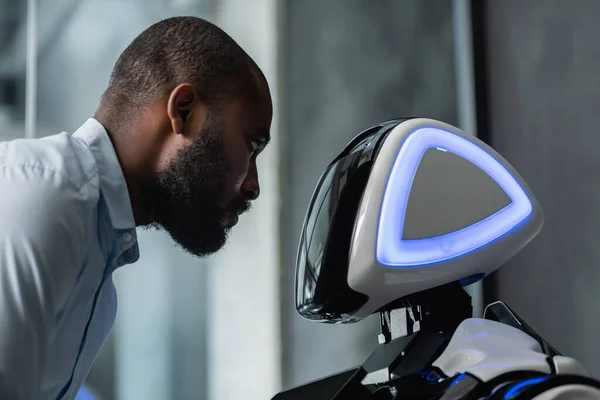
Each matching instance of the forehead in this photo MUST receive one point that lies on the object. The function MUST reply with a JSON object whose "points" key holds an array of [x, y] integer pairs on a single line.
{"points": [[254, 107], [262, 93], [240, 117]]}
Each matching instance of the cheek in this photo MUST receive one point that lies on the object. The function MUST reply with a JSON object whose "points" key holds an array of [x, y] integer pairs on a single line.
{"points": [[239, 162], [168, 152]]}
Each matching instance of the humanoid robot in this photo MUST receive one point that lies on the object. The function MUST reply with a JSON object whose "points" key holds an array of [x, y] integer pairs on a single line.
{"points": [[408, 214]]}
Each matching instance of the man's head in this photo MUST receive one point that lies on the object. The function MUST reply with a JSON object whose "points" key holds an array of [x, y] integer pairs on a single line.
{"points": [[189, 112]]}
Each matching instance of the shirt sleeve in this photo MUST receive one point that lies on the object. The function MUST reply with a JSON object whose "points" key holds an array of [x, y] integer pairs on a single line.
{"points": [[42, 237]]}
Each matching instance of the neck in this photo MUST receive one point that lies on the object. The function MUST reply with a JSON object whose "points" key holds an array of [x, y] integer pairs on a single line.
{"points": [[130, 162]]}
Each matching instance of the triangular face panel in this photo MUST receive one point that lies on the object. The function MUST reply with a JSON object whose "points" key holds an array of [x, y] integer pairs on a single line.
{"points": [[425, 220], [442, 199]]}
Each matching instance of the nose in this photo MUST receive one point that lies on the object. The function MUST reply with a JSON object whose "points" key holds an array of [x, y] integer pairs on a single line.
{"points": [[251, 187], [252, 192]]}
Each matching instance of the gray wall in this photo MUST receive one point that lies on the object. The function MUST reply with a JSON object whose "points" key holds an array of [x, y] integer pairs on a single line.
{"points": [[544, 86], [350, 64]]}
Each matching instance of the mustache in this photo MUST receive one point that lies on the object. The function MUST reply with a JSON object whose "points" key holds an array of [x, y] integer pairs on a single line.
{"points": [[240, 205]]}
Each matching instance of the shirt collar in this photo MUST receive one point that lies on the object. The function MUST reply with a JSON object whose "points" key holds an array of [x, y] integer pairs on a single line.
{"points": [[112, 181]]}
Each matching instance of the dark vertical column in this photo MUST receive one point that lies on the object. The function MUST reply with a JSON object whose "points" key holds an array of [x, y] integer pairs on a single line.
{"points": [[480, 69]]}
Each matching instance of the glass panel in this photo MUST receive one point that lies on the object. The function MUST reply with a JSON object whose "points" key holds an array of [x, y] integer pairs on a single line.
{"points": [[315, 253], [315, 236]]}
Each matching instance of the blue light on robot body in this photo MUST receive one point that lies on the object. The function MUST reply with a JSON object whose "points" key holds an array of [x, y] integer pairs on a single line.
{"points": [[392, 251], [85, 394], [457, 379], [517, 389]]}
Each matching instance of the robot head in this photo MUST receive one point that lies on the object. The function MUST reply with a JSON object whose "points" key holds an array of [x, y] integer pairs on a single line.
{"points": [[409, 205]]}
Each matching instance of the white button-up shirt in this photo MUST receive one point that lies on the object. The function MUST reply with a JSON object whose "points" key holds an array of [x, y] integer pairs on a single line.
{"points": [[66, 224]]}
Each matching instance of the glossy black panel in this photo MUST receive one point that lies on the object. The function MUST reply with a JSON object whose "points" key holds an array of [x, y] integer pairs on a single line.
{"points": [[322, 291]]}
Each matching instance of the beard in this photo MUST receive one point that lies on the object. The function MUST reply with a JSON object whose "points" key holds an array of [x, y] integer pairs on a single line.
{"points": [[187, 198]]}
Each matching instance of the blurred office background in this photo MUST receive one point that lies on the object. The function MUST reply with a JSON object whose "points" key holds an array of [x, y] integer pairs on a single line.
{"points": [[521, 74]]}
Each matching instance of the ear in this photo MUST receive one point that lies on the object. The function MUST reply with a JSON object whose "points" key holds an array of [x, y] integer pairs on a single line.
{"points": [[180, 105]]}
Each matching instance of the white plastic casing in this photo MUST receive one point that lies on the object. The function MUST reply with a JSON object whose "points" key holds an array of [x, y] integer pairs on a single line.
{"points": [[488, 349], [391, 174], [570, 392]]}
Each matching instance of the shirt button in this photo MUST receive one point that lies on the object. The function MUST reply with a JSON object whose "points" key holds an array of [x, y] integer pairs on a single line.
{"points": [[127, 237]]}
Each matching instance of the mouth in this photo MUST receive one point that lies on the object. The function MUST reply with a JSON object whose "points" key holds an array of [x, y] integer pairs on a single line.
{"points": [[229, 221], [232, 216]]}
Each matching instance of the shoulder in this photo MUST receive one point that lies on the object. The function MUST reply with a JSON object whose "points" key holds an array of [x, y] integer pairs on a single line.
{"points": [[47, 205], [60, 161], [47, 184], [47, 212]]}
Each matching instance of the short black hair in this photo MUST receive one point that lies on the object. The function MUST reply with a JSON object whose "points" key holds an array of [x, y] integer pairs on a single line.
{"points": [[174, 51]]}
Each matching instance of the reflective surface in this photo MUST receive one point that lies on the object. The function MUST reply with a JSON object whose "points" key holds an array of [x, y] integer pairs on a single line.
{"points": [[322, 291]]}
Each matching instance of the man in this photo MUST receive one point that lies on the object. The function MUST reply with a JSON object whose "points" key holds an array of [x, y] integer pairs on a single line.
{"points": [[173, 145]]}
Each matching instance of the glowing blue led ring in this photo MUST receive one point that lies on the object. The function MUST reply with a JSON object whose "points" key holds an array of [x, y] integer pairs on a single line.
{"points": [[393, 251]]}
